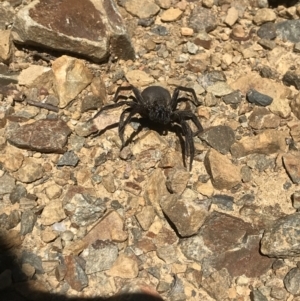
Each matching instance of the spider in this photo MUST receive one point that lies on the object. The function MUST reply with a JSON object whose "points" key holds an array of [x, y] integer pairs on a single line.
{"points": [[157, 104]]}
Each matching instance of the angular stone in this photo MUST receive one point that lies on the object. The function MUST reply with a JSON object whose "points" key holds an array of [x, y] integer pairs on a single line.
{"points": [[224, 174], [295, 106], [281, 239], [217, 285], [220, 137], [155, 190], [13, 161], [291, 163], [45, 135], [171, 14], [186, 216], [202, 19], [52, 213], [68, 159], [267, 142], [84, 209], [101, 256], [146, 217], [177, 180], [125, 267], [111, 228], [289, 30], [5, 46], [222, 232], [29, 76], [7, 184], [142, 10], [246, 260], [28, 221], [264, 15], [71, 77], [92, 35], [292, 78], [261, 118], [139, 78], [30, 171]]}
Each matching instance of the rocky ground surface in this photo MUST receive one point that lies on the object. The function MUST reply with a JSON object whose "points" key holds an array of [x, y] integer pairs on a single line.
{"points": [[82, 218]]}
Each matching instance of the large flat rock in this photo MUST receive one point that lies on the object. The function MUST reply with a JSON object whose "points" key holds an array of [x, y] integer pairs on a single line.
{"points": [[91, 28]]}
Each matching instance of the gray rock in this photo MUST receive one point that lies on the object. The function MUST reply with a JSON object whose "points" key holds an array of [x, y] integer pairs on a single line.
{"points": [[7, 184], [34, 260], [178, 293], [258, 98], [292, 281], [45, 135], [68, 159], [13, 219], [84, 209], [257, 295], [219, 137], [289, 30], [224, 202], [202, 19], [281, 239], [267, 44], [292, 78], [267, 31], [91, 102], [99, 32], [260, 162], [160, 30], [233, 98], [101, 256], [28, 220]]}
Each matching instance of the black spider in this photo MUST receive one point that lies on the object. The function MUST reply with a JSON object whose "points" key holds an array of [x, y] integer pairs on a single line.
{"points": [[156, 104]]}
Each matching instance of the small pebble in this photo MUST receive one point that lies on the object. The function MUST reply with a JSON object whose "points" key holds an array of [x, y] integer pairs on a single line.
{"points": [[258, 98]]}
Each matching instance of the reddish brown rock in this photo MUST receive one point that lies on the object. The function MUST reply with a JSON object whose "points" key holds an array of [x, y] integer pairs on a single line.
{"points": [[246, 261], [75, 275], [98, 32], [45, 136]]}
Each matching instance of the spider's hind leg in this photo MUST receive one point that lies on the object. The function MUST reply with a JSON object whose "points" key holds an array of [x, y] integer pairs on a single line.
{"points": [[174, 99]]}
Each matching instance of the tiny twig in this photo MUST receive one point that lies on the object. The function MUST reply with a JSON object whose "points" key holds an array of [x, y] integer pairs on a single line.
{"points": [[46, 106]]}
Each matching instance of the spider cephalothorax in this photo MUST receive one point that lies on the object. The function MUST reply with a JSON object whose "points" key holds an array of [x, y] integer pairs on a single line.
{"points": [[157, 104]]}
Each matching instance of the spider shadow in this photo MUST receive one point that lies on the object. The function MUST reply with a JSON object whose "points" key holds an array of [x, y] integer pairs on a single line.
{"points": [[145, 123]]}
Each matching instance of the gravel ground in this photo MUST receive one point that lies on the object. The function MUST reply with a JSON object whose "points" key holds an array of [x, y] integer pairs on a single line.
{"points": [[82, 218]]}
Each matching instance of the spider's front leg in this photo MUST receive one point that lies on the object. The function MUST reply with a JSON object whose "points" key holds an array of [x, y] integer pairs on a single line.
{"points": [[112, 106]]}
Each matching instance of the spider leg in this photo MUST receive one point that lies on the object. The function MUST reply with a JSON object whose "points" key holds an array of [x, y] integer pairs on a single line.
{"points": [[191, 116], [113, 106], [189, 142], [123, 122], [174, 99]]}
